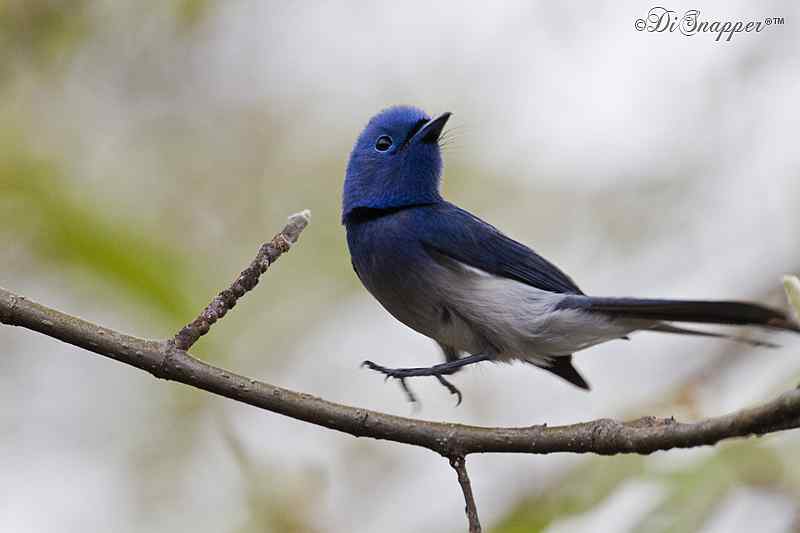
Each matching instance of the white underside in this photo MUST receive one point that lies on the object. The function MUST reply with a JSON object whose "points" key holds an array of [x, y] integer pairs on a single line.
{"points": [[518, 319]]}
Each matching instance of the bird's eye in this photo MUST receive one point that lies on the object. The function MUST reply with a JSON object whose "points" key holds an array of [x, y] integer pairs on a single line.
{"points": [[383, 143]]}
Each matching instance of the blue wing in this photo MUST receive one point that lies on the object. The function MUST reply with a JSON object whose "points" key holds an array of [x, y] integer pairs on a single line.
{"points": [[446, 230]]}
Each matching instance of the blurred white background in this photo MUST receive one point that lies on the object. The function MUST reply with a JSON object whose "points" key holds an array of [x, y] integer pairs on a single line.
{"points": [[146, 151]]}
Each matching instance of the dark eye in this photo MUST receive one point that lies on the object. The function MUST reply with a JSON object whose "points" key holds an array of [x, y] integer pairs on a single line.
{"points": [[383, 143]]}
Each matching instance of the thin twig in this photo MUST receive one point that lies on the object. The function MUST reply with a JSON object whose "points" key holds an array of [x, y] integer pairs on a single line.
{"points": [[246, 281], [459, 464]]}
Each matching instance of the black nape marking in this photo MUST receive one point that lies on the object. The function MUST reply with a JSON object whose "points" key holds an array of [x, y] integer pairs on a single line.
{"points": [[365, 214]]}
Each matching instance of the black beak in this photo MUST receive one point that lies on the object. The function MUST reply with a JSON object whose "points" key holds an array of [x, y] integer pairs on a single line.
{"points": [[431, 131]]}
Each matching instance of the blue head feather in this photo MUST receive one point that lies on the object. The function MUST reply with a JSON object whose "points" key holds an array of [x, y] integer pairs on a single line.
{"points": [[396, 162]]}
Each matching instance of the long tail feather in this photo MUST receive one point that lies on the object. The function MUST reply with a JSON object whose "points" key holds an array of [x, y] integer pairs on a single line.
{"points": [[669, 328], [733, 313]]}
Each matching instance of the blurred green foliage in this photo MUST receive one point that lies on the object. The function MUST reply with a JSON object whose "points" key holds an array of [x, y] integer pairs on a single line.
{"points": [[37, 32], [191, 12], [579, 491], [692, 492], [37, 204]]}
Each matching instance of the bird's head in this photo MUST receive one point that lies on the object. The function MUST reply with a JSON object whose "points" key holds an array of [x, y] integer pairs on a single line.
{"points": [[395, 162]]}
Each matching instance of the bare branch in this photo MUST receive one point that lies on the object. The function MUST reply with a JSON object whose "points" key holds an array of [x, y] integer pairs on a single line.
{"points": [[247, 280], [459, 464], [169, 360], [604, 436]]}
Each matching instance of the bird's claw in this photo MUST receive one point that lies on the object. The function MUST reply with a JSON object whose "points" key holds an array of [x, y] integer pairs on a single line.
{"points": [[409, 394], [401, 374], [452, 388], [392, 373]]}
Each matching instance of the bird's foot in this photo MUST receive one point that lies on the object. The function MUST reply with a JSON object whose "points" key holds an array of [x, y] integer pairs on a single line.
{"points": [[402, 374], [437, 371]]}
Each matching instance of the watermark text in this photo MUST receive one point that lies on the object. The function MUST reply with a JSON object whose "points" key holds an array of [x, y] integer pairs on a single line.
{"points": [[689, 23]]}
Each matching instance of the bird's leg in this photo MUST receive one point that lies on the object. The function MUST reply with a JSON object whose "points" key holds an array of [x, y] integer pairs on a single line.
{"points": [[438, 371]]}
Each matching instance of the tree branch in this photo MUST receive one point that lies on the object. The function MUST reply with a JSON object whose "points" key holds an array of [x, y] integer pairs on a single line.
{"points": [[247, 280], [167, 360], [459, 464], [604, 436]]}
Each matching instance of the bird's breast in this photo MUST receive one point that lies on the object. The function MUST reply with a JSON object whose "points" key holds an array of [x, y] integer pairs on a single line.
{"points": [[397, 271]]}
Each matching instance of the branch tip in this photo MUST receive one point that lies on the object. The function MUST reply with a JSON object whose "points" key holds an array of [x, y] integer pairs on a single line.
{"points": [[791, 284], [268, 253], [297, 223]]}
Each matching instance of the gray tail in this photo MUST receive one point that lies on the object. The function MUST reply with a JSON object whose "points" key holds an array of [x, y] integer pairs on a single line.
{"points": [[669, 328], [704, 312]]}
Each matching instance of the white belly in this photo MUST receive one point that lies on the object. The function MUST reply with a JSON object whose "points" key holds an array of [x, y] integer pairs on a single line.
{"points": [[518, 320]]}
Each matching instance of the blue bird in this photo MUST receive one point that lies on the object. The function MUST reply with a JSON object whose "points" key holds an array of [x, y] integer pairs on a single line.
{"points": [[479, 294]]}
